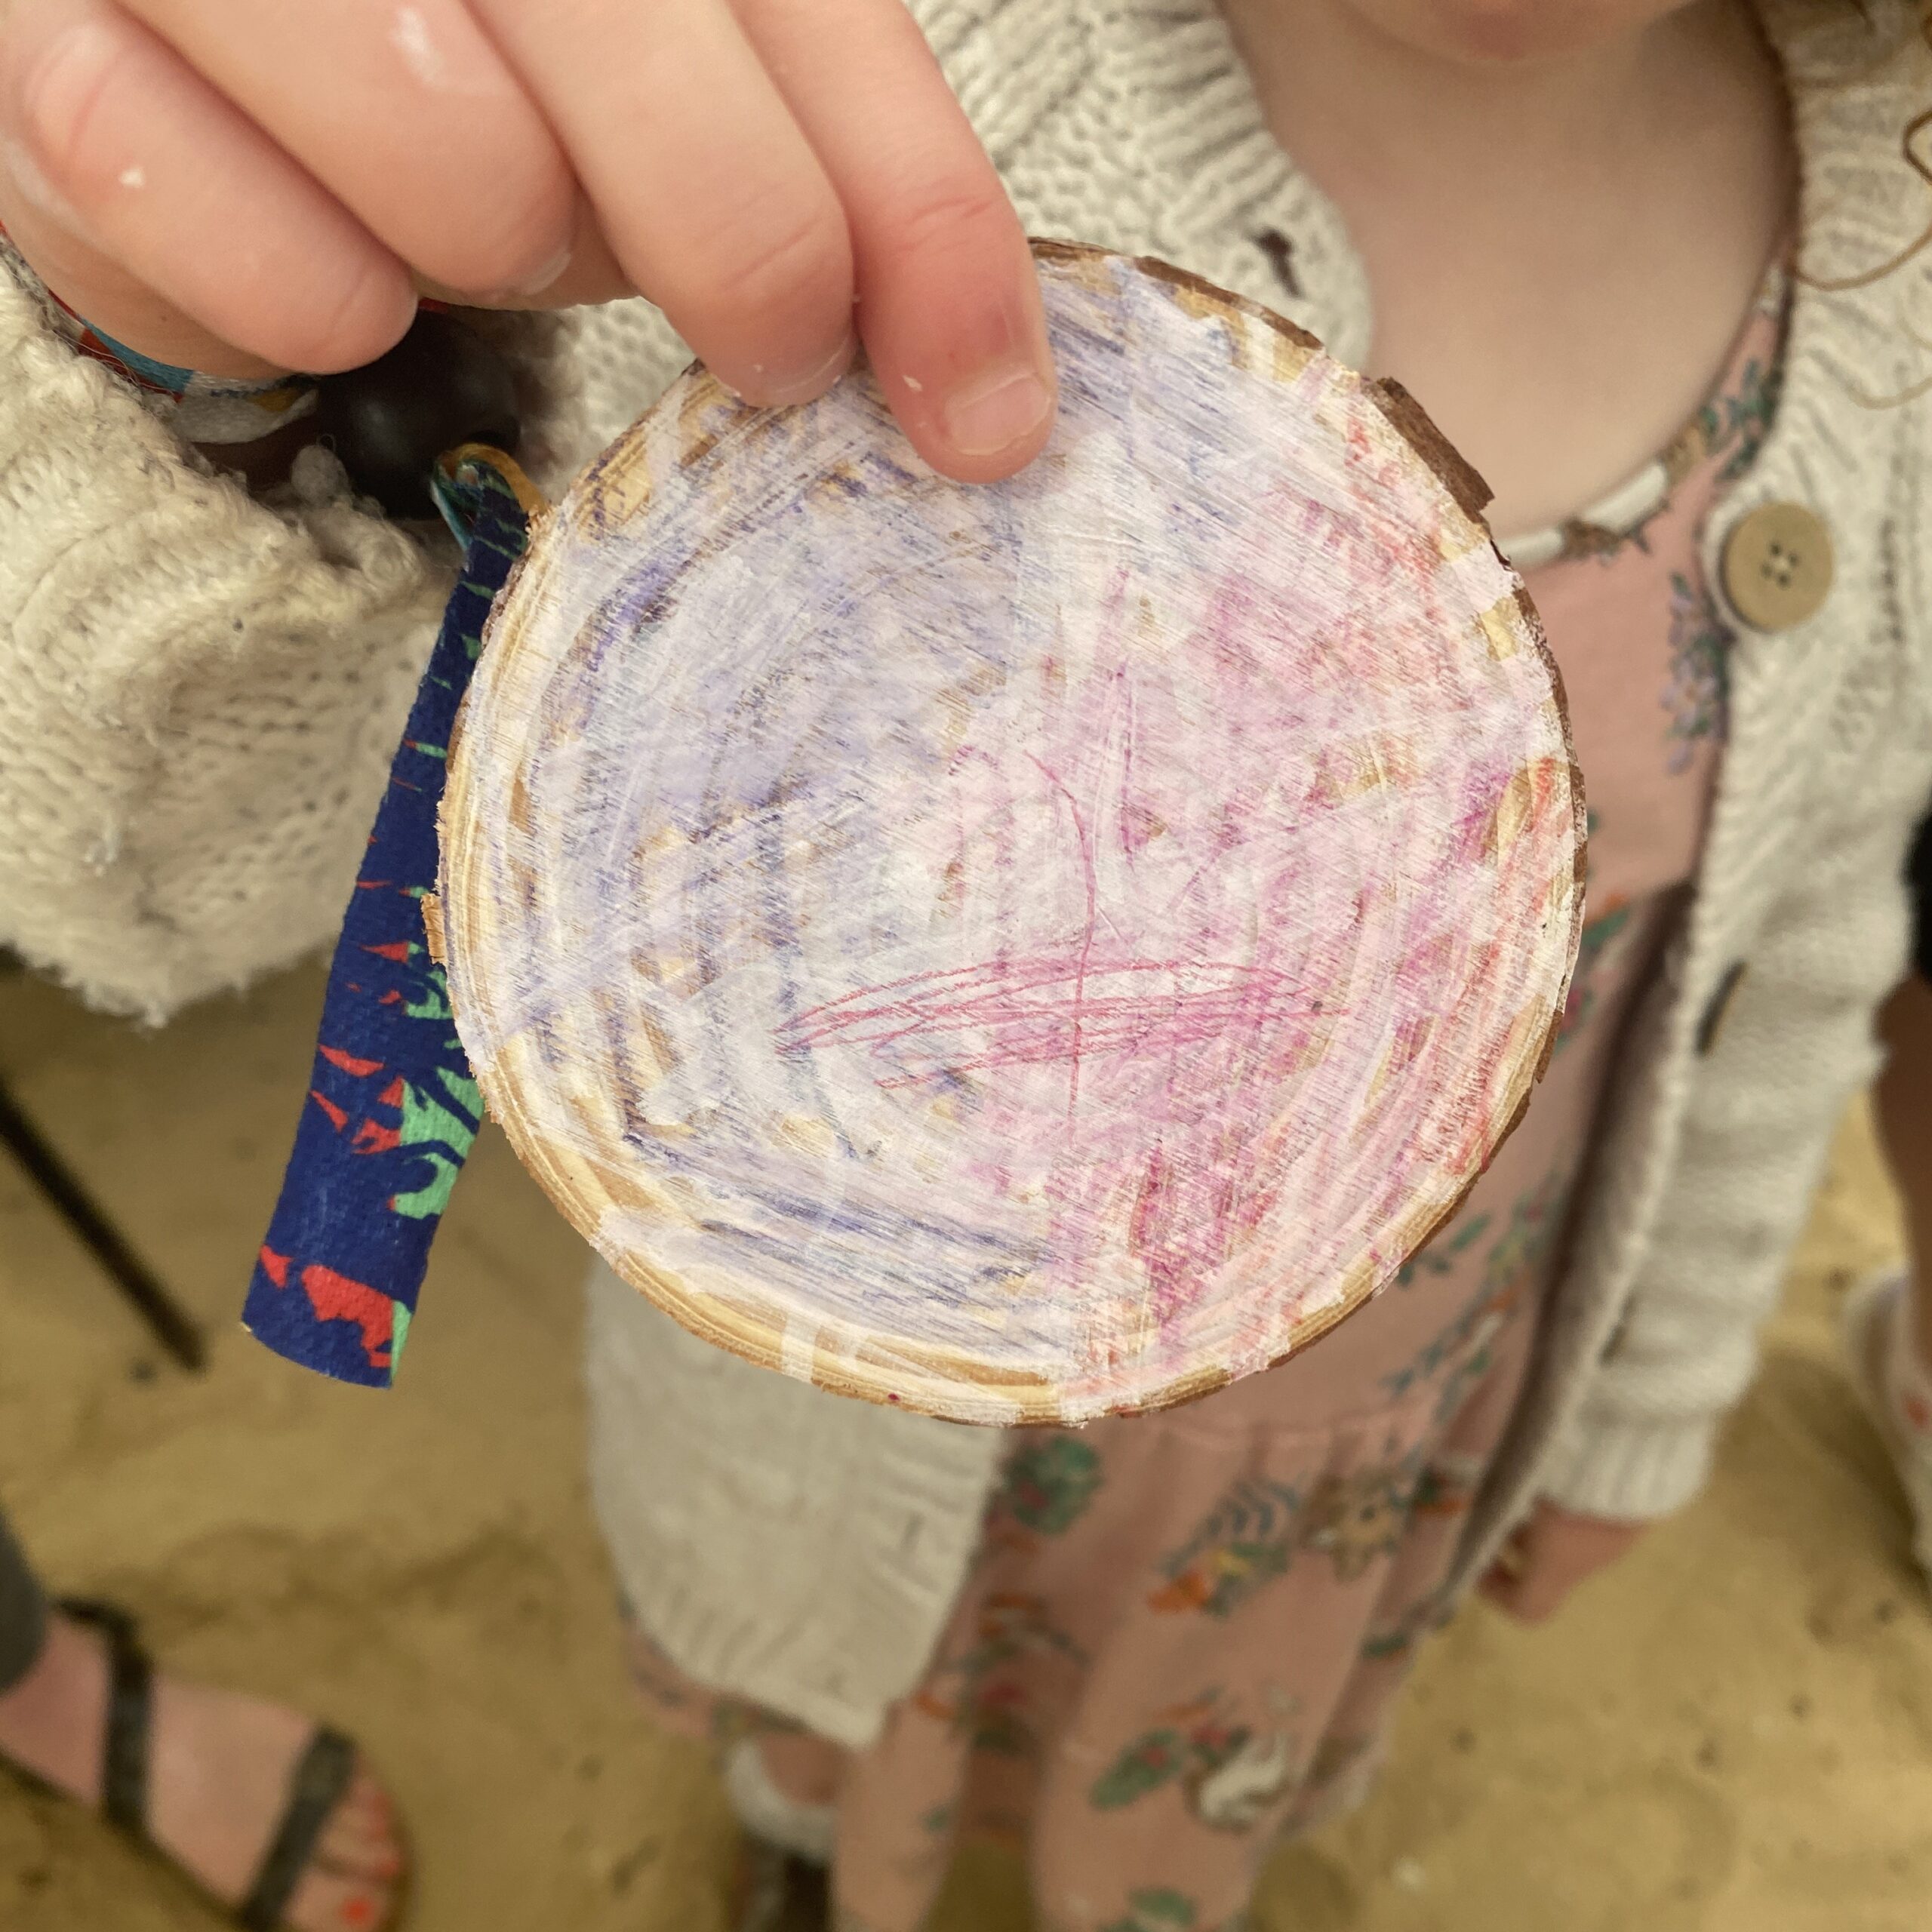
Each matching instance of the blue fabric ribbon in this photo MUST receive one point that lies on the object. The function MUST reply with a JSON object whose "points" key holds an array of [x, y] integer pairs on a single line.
{"points": [[392, 1108]]}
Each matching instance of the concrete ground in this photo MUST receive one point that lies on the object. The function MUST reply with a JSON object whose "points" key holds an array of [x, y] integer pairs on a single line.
{"points": [[1731, 1733]]}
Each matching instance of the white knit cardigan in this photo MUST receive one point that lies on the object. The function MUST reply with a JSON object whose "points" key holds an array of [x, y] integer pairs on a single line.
{"points": [[198, 694]]}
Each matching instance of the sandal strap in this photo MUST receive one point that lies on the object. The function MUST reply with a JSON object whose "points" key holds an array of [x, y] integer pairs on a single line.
{"points": [[124, 1769], [316, 1785]]}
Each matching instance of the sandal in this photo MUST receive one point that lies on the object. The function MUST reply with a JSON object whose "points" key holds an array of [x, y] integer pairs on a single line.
{"points": [[316, 1782]]}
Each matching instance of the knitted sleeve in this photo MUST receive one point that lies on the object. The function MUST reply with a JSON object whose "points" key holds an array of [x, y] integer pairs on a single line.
{"points": [[1796, 1043], [199, 692]]}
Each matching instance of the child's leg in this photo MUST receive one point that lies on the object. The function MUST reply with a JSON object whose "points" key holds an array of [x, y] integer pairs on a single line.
{"points": [[219, 1765], [783, 1783]]}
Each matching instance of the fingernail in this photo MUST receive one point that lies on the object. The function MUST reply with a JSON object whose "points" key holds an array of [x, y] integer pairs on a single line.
{"points": [[1000, 407], [54, 93], [549, 275], [814, 382], [35, 187]]}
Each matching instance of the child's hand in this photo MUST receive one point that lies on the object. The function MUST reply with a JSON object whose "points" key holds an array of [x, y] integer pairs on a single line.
{"points": [[243, 189], [1550, 1555]]}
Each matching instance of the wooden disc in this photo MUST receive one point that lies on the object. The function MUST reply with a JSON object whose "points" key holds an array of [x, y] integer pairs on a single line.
{"points": [[1030, 952]]}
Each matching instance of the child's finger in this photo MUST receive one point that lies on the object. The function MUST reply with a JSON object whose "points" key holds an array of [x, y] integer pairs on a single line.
{"points": [[592, 275], [407, 113], [1526, 1597], [109, 136], [710, 196], [1515, 1598], [113, 302], [949, 303], [1508, 1582]]}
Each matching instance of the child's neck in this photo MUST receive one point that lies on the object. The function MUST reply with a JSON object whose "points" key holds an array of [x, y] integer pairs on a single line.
{"points": [[1560, 252], [1362, 105]]}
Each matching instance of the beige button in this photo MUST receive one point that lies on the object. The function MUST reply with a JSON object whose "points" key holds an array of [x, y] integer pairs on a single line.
{"points": [[1777, 566]]}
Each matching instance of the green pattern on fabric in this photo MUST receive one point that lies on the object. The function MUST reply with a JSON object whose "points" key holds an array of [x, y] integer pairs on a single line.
{"points": [[1594, 953], [442, 1138], [1247, 1541], [1156, 1909], [1049, 1483], [1514, 1263], [1439, 1257], [1190, 1744]]}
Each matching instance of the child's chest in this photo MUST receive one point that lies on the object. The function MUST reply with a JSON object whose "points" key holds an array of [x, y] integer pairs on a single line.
{"points": [[1560, 302], [1640, 636]]}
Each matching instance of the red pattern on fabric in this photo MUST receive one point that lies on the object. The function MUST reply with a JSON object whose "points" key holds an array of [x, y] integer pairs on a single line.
{"points": [[362, 1069], [337, 1298]]}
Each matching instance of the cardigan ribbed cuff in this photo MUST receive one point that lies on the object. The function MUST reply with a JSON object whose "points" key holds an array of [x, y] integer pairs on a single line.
{"points": [[1630, 1472]]}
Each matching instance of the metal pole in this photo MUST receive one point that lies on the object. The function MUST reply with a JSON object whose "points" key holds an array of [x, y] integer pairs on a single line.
{"points": [[166, 1320]]}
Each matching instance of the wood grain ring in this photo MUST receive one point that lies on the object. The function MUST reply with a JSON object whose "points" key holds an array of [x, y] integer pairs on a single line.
{"points": [[1022, 953]]}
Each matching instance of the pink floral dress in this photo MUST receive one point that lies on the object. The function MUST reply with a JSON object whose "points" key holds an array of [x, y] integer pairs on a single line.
{"points": [[1183, 1633]]}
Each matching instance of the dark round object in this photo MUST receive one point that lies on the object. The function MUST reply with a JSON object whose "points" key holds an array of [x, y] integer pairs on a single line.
{"points": [[441, 385]]}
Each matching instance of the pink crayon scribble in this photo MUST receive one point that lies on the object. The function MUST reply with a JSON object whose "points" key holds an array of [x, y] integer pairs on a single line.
{"points": [[1039, 1010], [1091, 887]]}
